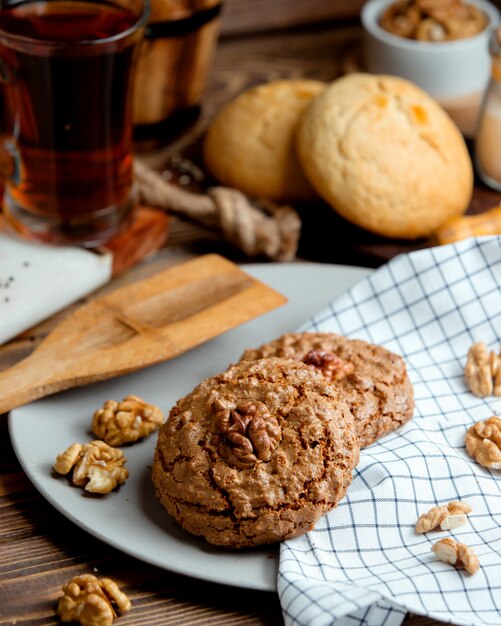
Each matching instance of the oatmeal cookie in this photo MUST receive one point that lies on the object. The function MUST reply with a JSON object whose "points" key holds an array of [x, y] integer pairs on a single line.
{"points": [[373, 380], [256, 454]]}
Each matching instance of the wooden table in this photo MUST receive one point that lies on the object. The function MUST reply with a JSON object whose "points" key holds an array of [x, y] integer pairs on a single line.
{"points": [[39, 548]]}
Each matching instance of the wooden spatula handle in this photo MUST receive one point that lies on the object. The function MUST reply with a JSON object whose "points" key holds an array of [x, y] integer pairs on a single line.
{"points": [[148, 322], [24, 383]]}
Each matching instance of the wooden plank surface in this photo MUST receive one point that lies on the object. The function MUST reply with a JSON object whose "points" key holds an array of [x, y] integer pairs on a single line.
{"points": [[241, 16], [39, 549]]}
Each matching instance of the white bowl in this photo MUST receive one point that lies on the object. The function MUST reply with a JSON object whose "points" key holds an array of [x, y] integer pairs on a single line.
{"points": [[447, 71]]}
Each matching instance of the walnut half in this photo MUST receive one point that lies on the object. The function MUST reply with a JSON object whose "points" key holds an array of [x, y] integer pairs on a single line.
{"points": [[96, 466], [126, 421], [483, 371], [332, 366], [483, 442], [447, 517], [91, 601], [455, 553], [246, 434]]}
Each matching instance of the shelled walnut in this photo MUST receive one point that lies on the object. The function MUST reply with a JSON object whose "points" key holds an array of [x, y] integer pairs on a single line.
{"points": [[447, 517], [246, 434], [91, 601], [495, 365], [477, 371], [433, 20], [483, 442], [127, 421], [455, 553], [483, 371], [331, 365], [96, 466]]}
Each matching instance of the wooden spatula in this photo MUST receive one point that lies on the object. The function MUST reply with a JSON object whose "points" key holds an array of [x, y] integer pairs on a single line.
{"points": [[135, 326]]}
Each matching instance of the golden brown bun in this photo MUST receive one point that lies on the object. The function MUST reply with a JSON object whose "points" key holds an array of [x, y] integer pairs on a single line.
{"points": [[250, 144], [385, 156]]}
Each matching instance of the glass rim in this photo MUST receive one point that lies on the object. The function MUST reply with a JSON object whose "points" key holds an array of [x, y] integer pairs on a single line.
{"points": [[84, 43]]}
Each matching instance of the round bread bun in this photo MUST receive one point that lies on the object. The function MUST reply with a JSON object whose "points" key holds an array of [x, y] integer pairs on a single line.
{"points": [[250, 144], [385, 156]]}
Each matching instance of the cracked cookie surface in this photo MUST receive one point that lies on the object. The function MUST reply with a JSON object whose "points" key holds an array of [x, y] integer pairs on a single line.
{"points": [[256, 454], [373, 380]]}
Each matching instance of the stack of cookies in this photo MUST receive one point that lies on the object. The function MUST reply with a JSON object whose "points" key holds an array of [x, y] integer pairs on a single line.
{"points": [[258, 453], [378, 149]]}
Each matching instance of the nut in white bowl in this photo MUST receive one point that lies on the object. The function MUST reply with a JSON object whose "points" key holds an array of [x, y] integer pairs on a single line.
{"points": [[453, 72]]}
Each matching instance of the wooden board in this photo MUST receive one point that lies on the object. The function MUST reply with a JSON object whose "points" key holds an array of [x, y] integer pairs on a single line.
{"points": [[242, 16]]}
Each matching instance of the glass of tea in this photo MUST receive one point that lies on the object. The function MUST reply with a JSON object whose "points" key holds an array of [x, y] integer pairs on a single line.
{"points": [[66, 71]]}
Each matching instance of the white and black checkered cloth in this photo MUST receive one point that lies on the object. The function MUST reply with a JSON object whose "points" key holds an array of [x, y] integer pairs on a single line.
{"points": [[364, 564]]}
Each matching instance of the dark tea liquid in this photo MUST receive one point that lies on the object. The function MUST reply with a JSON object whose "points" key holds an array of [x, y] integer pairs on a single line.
{"points": [[66, 114]]}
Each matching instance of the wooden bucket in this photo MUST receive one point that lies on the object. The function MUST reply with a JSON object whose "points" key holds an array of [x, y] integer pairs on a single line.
{"points": [[174, 61]]}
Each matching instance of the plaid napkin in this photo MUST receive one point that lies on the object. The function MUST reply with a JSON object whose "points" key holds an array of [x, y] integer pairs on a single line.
{"points": [[364, 564]]}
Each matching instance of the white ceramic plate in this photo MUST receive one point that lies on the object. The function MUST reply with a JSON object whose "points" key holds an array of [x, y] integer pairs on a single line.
{"points": [[131, 519]]}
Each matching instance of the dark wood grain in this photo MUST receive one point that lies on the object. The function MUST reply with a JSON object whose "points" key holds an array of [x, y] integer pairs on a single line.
{"points": [[40, 549], [241, 16]]}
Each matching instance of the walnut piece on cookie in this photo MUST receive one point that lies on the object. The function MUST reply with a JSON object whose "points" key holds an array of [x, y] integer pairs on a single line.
{"points": [[455, 553], [127, 421], [483, 442], [447, 517], [373, 380], [331, 365], [256, 454], [246, 434], [91, 601], [96, 466]]}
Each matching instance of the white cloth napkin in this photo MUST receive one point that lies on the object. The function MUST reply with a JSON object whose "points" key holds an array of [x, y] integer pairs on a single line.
{"points": [[364, 564]]}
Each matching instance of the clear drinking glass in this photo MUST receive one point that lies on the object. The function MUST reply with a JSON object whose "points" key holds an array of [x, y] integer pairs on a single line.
{"points": [[66, 71]]}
